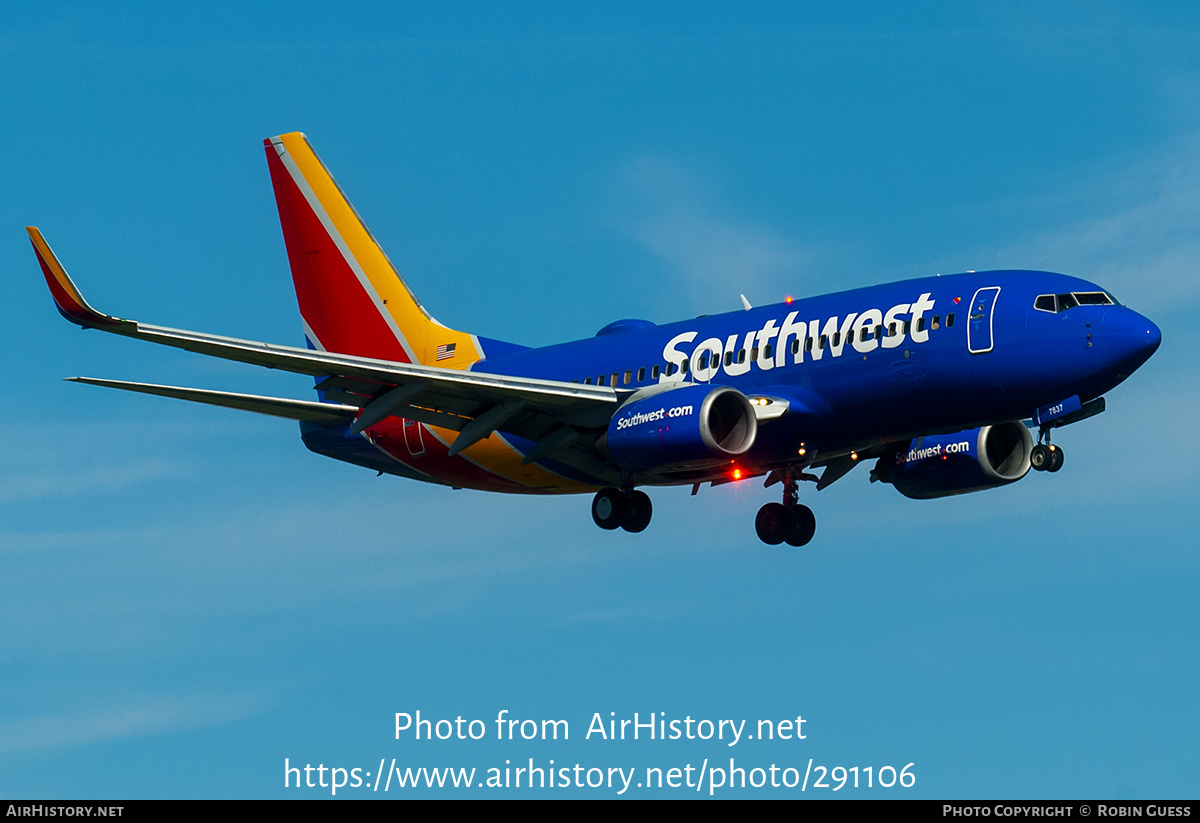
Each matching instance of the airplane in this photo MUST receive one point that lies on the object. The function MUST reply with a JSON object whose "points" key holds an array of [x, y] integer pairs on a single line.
{"points": [[938, 380]]}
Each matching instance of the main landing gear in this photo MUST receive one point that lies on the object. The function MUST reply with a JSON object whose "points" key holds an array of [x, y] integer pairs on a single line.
{"points": [[1045, 457], [787, 522], [615, 509]]}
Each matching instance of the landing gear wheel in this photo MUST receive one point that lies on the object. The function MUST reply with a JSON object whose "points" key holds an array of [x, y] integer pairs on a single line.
{"points": [[804, 526], [609, 508], [1056, 459], [774, 523], [639, 510], [1039, 458]]}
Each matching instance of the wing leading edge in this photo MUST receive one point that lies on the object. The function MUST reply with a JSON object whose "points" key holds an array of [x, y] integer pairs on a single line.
{"points": [[473, 404]]}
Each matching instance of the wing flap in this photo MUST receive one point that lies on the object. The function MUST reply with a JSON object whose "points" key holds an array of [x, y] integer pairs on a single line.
{"points": [[469, 386]]}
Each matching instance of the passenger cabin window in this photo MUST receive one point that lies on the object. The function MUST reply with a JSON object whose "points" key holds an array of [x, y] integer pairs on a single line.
{"points": [[600, 381], [654, 372], [641, 374], [628, 376], [937, 321], [949, 319]]}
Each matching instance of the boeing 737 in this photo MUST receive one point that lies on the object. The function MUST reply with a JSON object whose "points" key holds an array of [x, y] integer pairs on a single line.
{"points": [[940, 381]]}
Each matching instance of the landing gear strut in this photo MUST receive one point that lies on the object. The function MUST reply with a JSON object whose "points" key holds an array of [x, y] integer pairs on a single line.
{"points": [[1045, 457], [787, 522], [615, 509]]}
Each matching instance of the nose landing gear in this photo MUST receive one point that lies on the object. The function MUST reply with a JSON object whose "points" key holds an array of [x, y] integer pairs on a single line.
{"points": [[787, 522], [1045, 456]]}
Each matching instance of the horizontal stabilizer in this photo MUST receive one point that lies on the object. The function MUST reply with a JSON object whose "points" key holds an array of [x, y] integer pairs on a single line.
{"points": [[325, 414]]}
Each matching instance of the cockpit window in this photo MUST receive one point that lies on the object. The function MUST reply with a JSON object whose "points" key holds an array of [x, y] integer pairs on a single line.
{"points": [[1062, 302]]}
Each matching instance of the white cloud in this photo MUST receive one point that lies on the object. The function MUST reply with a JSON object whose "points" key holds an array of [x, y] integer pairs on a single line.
{"points": [[152, 716], [716, 255], [633, 613], [1138, 230], [62, 483]]}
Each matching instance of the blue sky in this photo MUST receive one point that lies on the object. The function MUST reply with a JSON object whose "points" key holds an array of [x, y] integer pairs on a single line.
{"points": [[188, 597]]}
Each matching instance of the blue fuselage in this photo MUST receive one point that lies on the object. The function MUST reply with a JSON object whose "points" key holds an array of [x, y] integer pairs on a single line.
{"points": [[878, 364]]}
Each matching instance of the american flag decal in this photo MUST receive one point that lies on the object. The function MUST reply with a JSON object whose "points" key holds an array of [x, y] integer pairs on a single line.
{"points": [[445, 351]]}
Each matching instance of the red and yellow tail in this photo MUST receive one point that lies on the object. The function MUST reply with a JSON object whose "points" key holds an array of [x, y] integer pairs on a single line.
{"points": [[352, 299]]}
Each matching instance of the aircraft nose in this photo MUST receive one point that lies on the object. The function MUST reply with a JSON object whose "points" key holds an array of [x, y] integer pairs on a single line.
{"points": [[1129, 339]]}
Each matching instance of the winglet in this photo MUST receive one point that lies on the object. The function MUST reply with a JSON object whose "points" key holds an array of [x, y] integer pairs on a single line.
{"points": [[67, 297]]}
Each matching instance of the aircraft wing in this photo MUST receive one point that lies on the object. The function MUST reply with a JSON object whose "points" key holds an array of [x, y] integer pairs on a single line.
{"points": [[473, 404]]}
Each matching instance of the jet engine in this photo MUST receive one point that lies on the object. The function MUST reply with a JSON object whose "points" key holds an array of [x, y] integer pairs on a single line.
{"points": [[687, 427], [969, 461]]}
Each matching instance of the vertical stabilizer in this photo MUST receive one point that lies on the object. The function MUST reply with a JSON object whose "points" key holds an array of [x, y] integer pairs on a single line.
{"points": [[351, 297]]}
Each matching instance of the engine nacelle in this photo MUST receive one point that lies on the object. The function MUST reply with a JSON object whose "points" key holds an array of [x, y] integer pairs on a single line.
{"points": [[970, 461], [682, 428]]}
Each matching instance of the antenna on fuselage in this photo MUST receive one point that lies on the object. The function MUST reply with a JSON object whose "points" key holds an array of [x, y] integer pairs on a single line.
{"points": [[745, 303]]}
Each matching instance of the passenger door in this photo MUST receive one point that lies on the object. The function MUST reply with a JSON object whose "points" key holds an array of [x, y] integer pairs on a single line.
{"points": [[979, 322]]}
